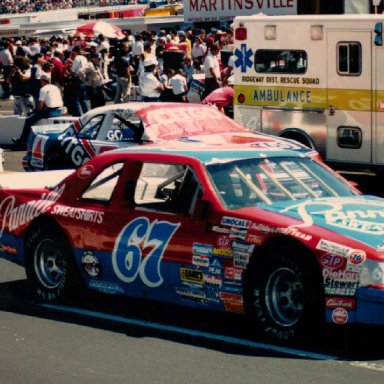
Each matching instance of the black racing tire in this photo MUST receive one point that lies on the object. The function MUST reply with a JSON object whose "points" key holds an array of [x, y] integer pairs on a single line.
{"points": [[50, 264], [284, 294]]}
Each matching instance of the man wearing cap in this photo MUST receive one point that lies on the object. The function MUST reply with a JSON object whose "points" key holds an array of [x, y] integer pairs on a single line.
{"points": [[96, 81], [150, 85], [50, 104]]}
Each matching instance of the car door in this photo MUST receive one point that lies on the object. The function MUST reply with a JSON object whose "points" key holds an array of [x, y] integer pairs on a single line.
{"points": [[152, 243]]}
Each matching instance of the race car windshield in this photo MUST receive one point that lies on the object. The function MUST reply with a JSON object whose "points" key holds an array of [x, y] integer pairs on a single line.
{"points": [[252, 182]]}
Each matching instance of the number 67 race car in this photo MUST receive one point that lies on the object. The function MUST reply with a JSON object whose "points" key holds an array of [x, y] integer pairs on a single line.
{"points": [[250, 229]]}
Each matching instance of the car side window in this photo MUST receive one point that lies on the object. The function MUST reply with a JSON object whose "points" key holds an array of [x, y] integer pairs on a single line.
{"points": [[167, 187], [125, 127], [103, 185], [92, 127]]}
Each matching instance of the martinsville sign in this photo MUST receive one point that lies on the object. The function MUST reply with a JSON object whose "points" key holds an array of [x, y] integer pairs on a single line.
{"points": [[217, 10]]}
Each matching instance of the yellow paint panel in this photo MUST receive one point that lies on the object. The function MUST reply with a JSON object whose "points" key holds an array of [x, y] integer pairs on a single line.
{"points": [[306, 98]]}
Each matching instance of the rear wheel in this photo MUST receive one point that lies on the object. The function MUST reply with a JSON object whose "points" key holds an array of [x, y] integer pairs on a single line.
{"points": [[284, 294], [49, 264]]}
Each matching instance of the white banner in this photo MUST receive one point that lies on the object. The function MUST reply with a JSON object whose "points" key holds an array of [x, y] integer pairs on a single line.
{"points": [[218, 10]]}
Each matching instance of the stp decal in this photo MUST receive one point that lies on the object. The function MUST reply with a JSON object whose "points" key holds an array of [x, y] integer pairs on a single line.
{"points": [[127, 257]]}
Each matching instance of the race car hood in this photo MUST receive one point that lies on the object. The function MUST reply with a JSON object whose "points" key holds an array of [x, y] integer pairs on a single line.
{"points": [[357, 217], [32, 180]]}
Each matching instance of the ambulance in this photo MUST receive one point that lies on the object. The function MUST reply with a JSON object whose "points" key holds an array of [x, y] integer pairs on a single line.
{"points": [[317, 79]]}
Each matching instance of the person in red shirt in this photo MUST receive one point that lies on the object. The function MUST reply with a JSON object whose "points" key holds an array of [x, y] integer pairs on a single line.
{"points": [[221, 97]]}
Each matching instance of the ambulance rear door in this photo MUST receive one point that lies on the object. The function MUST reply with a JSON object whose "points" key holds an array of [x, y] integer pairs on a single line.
{"points": [[349, 96]]}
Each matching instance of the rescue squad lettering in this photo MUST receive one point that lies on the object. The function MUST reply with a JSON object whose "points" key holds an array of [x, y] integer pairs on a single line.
{"points": [[281, 80], [211, 10]]}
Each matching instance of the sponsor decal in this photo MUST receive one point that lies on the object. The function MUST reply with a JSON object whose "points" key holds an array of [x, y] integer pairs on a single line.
{"points": [[37, 153], [82, 214], [106, 286], [85, 171], [200, 261], [254, 239], [356, 260], [332, 261], [202, 249], [236, 233], [241, 260], [223, 242], [127, 257], [223, 252], [235, 222], [192, 294], [8, 249], [90, 264], [191, 275], [232, 273], [338, 215], [218, 229], [340, 302], [234, 297], [333, 248], [242, 247], [15, 216], [340, 316], [213, 280], [233, 306], [291, 231], [341, 275]]}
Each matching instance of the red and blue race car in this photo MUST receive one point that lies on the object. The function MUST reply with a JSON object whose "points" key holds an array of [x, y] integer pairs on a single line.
{"points": [[70, 145], [252, 229]]}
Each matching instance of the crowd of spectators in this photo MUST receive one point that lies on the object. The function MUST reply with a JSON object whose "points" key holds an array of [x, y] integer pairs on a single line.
{"points": [[28, 6], [160, 66]]}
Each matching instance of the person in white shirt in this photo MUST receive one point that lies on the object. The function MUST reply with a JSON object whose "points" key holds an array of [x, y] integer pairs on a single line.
{"points": [[150, 85], [6, 60], [80, 63], [50, 105], [211, 70], [178, 84]]}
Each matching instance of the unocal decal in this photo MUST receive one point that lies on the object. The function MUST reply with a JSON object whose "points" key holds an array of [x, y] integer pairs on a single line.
{"points": [[139, 234]]}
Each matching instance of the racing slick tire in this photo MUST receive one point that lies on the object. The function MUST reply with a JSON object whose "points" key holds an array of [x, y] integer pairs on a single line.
{"points": [[284, 294], [49, 264]]}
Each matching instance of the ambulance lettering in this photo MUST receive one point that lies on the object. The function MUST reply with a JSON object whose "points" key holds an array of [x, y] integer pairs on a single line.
{"points": [[127, 257]]}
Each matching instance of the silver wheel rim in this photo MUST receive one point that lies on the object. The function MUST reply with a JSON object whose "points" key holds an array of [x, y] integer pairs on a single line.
{"points": [[284, 297], [49, 264]]}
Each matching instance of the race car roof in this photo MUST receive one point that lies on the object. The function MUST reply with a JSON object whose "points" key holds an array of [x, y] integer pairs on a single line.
{"points": [[169, 121], [207, 152]]}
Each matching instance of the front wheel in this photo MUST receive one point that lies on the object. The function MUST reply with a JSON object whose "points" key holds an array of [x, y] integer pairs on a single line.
{"points": [[284, 294], [49, 264]]}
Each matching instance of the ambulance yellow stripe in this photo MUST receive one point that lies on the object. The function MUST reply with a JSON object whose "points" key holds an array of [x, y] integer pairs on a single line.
{"points": [[308, 98]]}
